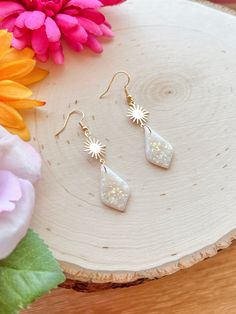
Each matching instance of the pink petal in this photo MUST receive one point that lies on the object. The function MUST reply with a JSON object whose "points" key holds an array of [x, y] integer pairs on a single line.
{"points": [[75, 45], [10, 190], [90, 26], [71, 11], [93, 15], [111, 2], [66, 22], [84, 4], [22, 42], [8, 23], [52, 7], [56, 53], [106, 31], [14, 224], [9, 7], [30, 4], [39, 40], [107, 24], [42, 57], [20, 21], [19, 157], [94, 44], [79, 35], [35, 20], [52, 30], [19, 32]]}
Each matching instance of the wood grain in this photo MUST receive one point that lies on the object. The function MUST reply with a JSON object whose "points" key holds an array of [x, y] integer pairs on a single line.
{"points": [[176, 217], [207, 288]]}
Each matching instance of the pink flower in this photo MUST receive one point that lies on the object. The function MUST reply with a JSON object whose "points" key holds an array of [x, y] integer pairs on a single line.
{"points": [[20, 167], [41, 24]]}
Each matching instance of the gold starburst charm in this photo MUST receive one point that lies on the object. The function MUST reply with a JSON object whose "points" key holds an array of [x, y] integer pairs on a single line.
{"points": [[95, 148], [138, 115]]}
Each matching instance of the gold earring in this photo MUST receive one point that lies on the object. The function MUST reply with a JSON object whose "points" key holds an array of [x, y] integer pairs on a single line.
{"points": [[114, 191], [157, 150]]}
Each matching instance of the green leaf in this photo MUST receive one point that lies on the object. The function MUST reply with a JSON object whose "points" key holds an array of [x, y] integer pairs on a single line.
{"points": [[28, 273]]}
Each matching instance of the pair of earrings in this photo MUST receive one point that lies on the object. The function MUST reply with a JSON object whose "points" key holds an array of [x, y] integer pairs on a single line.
{"points": [[114, 191]]}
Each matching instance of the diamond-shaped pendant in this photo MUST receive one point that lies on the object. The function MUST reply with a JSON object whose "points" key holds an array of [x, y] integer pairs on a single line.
{"points": [[114, 190], [158, 151]]}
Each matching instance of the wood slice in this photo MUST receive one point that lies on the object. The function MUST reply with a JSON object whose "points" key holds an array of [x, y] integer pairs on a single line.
{"points": [[181, 58]]}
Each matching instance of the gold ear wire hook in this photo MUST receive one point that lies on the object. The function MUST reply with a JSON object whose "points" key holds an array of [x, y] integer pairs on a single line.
{"points": [[83, 126], [129, 97]]}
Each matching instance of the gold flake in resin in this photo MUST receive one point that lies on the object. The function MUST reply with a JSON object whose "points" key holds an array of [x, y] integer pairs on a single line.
{"points": [[114, 190], [138, 115], [158, 151]]}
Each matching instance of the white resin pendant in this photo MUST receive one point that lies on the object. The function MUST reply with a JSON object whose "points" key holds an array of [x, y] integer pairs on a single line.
{"points": [[114, 190], [158, 151]]}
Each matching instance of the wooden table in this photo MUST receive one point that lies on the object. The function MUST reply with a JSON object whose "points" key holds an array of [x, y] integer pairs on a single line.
{"points": [[208, 287]]}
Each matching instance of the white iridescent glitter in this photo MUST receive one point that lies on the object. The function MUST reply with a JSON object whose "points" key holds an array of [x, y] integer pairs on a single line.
{"points": [[158, 151], [114, 190]]}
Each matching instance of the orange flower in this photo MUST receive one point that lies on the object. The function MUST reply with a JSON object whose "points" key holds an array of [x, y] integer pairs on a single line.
{"points": [[17, 70]]}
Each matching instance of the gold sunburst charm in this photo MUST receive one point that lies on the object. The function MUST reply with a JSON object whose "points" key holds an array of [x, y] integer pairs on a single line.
{"points": [[138, 115], [95, 148]]}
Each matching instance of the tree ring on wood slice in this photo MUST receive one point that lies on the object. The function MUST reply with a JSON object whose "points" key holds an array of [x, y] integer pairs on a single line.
{"points": [[175, 217]]}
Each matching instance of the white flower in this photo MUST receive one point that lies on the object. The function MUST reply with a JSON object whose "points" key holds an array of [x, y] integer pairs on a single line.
{"points": [[20, 167]]}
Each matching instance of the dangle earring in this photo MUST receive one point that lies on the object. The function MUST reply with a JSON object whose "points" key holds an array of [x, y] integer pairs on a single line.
{"points": [[114, 191], [158, 151]]}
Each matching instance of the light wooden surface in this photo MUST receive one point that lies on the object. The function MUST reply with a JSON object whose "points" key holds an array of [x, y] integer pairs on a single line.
{"points": [[206, 288], [176, 217]]}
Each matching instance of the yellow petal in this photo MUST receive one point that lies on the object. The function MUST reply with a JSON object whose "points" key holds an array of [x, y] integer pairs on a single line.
{"points": [[15, 70], [36, 75], [12, 90], [24, 133], [12, 54], [24, 103], [9, 117], [5, 40]]}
